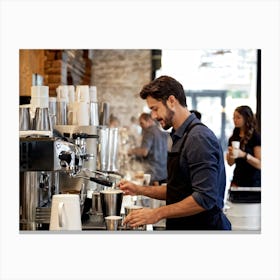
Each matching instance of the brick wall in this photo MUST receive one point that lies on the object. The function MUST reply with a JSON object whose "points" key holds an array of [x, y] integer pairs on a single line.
{"points": [[66, 67], [119, 76]]}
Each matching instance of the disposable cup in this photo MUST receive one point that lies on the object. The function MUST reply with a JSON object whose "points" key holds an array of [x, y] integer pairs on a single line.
{"points": [[113, 222], [128, 210], [235, 145]]}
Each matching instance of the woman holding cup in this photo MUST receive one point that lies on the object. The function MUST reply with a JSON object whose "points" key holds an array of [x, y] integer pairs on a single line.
{"points": [[244, 149]]}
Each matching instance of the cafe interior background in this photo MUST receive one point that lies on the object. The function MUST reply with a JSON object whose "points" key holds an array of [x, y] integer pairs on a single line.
{"points": [[220, 79], [204, 23]]}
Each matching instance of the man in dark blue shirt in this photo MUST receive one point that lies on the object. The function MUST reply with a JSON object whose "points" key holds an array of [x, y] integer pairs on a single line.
{"points": [[196, 181]]}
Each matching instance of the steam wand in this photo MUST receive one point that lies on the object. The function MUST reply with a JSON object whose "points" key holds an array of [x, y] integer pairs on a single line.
{"points": [[94, 179]]}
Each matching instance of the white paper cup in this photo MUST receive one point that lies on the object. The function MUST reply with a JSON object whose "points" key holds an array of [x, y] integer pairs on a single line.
{"points": [[235, 145], [82, 93], [39, 91], [62, 93], [147, 179], [83, 113]]}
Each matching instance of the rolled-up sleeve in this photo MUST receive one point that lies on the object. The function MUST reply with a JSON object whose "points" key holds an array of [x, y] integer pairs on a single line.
{"points": [[201, 157]]}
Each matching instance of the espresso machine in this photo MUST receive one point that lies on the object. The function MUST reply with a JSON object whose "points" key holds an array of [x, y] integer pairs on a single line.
{"points": [[99, 147], [60, 158], [70, 159], [42, 159], [55, 165]]}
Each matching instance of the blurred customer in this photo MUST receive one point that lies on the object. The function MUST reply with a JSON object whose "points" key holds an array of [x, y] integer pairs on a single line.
{"points": [[135, 127], [114, 121], [247, 172], [197, 113], [196, 182], [135, 131], [153, 149]]}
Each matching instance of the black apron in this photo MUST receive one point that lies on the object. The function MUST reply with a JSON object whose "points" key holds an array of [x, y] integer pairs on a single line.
{"points": [[179, 187]]}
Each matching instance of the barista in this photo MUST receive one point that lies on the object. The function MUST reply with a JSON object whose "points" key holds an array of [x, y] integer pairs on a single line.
{"points": [[196, 182]]}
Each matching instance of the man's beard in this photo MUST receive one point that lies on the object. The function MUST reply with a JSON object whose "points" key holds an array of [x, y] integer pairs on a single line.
{"points": [[168, 119]]}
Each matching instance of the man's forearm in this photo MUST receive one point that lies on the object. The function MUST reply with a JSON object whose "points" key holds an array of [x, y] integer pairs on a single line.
{"points": [[185, 207], [138, 152], [157, 192]]}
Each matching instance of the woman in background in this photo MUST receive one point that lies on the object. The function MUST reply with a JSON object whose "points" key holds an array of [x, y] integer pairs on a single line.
{"points": [[247, 172]]}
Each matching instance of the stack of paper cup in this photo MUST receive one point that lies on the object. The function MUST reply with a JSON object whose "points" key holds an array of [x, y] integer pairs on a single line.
{"points": [[82, 93], [71, 97], [62, 105], [104, 113], [62, 93], [94, 116], [52, 110], [93, 94], [39, 98], [71, 94], [83, 113], [82, 105]]}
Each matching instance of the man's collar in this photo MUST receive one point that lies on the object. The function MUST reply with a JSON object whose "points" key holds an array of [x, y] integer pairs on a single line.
{"points": [[181, 130]]}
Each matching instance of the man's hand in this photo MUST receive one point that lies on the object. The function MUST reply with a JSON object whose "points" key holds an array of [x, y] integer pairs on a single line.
{"points": [[128, 188], [142, 217]]}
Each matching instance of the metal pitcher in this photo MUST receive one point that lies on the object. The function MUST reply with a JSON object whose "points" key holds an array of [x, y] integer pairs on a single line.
{"points": [[42, 119], [24, 118]]}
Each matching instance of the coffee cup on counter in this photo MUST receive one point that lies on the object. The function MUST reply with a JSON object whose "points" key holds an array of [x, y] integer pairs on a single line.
{"points": [[113, 222], [128, 210]]}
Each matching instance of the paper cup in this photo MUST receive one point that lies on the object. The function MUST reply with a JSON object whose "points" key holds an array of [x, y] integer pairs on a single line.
{"points": [[113, 222], [235, 145]]}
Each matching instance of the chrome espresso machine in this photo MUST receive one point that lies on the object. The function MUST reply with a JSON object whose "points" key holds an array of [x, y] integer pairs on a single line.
{"points": [[71, 160], [60, 157], [42, 160]]}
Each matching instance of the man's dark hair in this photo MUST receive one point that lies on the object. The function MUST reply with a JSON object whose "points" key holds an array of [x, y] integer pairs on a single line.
{"points": [[198, 114], [162, 87]]}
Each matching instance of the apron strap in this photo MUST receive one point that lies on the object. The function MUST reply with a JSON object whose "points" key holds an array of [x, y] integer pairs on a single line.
{"points": [[187, 131]]}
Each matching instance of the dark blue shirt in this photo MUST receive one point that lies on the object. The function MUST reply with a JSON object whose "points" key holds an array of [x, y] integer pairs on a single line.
{"points": [[203, 157]]}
